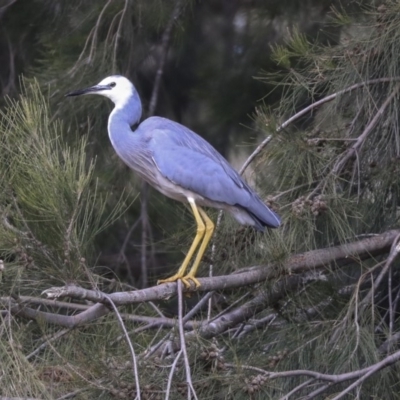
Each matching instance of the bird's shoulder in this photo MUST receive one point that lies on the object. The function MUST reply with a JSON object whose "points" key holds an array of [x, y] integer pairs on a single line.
{"points": [[162, 129]]}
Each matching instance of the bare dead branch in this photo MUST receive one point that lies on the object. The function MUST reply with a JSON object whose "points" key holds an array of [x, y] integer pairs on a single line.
{"points": [[309, 261], [242, 313], [361, 375], [332, 257]]}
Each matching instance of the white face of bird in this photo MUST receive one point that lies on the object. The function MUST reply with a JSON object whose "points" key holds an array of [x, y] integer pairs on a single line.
{"points": [[117, 88]]}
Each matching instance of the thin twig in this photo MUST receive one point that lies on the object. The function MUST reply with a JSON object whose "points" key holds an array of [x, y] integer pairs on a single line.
{"points": [[183, 343], [70, 394], [127, 238], [144, 218], [389, 360], [171, 375], [318, 391], [165, 40], [361, 139], [151, 349], [355, 148], [91, 37], [118, 34], [132, 350], [197, 307], [391, 310], [224, 311], [394, 251], [54, 337], [361, 374], [298, 388]]}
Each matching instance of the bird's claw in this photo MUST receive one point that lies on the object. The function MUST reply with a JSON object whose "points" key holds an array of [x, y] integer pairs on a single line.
{"points": [[186, 280]]}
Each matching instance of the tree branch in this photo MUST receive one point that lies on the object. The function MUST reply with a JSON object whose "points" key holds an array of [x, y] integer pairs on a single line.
{"points": [[361, 374], [309, 261], [332, 257]]}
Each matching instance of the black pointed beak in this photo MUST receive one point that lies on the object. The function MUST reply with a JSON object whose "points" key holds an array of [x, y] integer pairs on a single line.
{"points": [[92, 89]]}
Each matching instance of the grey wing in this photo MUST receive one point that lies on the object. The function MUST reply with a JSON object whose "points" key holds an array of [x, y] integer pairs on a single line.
{"points": [[166, 132], [201, 174], [198, 173]]}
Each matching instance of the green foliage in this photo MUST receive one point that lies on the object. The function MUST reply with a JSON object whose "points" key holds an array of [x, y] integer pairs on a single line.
{"points": [[56, 199], [297, 46], [50, 202], [307, 155], [51, 211]]}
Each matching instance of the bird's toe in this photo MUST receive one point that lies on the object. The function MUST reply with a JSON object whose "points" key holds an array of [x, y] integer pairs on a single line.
{"points": [[188, 279]]}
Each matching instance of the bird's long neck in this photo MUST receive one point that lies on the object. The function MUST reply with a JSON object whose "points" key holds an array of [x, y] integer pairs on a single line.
{"points": [[124, 115]]}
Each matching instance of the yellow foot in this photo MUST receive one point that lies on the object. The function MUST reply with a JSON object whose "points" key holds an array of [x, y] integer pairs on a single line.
{"points": [[185, 280]]}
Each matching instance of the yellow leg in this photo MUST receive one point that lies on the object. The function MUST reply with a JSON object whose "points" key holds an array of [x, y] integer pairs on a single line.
{"points": [[202, 249], [201, 228]]}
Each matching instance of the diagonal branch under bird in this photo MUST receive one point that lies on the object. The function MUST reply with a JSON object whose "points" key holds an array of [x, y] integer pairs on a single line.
{"points": [[181, 165]]}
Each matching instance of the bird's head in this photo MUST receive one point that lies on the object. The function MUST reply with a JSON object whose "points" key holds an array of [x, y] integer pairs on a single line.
{"points": [[116, 87]]}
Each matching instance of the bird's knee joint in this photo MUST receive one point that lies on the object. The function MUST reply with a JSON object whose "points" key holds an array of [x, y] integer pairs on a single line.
{"points": [[201, 229]]}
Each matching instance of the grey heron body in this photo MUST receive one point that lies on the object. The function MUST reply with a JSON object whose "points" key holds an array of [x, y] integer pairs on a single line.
{"points": [[181, 165]]}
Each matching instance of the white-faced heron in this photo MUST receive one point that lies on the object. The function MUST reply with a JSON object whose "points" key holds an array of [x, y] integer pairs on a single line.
{"points": [[181, 165]]}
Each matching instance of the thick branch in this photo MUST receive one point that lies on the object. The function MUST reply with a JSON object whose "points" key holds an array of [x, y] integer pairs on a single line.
{"points": [[337, 256], [333, 257], [249, 309]]}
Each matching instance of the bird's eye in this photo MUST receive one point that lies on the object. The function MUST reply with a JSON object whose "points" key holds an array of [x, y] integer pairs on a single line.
{"points": [[112, 84]]}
